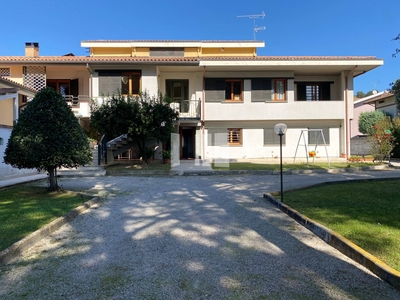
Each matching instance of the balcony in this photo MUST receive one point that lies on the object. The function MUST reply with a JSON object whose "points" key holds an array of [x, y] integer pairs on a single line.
{"points": [[187, 109], [75, 101]]}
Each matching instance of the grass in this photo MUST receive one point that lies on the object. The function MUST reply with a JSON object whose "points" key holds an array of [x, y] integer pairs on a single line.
{"points": [[367, 213], [24, 209], [286, 166]]}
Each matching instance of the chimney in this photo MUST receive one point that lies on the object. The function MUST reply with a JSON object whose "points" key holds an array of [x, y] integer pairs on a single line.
{"points": [[32, 49]]}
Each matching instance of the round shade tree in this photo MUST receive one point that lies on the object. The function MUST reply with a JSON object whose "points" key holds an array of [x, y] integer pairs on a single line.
{"points": [[47, 136]]}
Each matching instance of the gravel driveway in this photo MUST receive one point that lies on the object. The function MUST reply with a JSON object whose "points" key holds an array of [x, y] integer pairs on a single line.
{"points": [[187, 238]]}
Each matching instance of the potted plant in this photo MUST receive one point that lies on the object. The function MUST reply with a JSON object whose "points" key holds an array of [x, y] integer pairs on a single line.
{"points": [[166, 154]]}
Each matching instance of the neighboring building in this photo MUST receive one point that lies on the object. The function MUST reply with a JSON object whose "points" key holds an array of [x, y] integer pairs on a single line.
{"points": [[360, 106], [386, 102], [229, 98], [13, 98]]}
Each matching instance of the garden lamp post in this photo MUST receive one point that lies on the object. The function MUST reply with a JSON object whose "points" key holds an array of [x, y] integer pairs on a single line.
{"points": [[280, 129]]}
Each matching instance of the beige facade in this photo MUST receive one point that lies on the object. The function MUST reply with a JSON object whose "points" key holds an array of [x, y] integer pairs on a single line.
{"points": [[228, 97]]}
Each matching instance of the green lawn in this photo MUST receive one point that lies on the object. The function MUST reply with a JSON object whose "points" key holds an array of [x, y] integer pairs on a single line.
{"points": [[367, 213], [24, 209]]}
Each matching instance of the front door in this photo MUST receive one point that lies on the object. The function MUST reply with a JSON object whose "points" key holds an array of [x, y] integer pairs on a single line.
{"points": [[188, 143]]}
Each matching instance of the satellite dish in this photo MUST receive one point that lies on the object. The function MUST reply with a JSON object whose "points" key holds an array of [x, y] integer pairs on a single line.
{"points": [[374, 92]]}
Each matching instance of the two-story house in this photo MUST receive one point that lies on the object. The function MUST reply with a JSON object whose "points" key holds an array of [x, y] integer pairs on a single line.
{"points": [[229, 98]]}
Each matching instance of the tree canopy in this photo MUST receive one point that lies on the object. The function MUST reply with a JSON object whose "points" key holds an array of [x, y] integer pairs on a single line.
{"points": [[361, 94], [47, 136], [395, 89], [368, 119], [141, 117], [397, 51]]}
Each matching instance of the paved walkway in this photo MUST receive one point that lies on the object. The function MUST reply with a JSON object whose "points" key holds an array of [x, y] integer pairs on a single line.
{"points": [[196, 237]]}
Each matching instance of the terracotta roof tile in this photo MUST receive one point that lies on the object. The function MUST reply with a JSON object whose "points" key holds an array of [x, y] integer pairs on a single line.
{"points": [[283, 58], [170, 59], [93, 59], [18, 84]]}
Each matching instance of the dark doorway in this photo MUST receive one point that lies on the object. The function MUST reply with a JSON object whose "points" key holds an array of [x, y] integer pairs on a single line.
{"points": [[188, 143]]}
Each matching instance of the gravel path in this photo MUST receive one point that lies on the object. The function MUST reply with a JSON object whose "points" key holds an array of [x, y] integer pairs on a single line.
{"points": [[188, 238]]}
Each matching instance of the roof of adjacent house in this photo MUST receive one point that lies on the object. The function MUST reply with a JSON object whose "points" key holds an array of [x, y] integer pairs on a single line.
{"points": [[8, 82], [377, 97]]}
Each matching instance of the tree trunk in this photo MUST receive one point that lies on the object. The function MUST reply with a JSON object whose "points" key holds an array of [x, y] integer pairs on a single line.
{"points": [[52, 179]]}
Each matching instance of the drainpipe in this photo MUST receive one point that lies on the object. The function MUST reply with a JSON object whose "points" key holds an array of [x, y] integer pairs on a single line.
{"points": [[347, 133], [90, 80], [202, 118]]}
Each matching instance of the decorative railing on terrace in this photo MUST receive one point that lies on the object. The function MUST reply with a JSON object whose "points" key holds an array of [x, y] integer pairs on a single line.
{"points": [[188, 109], [75, 101]]}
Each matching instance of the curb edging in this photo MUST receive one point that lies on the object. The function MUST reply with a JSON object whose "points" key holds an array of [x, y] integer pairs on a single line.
{"points": [[345, 246], [18, 247]]}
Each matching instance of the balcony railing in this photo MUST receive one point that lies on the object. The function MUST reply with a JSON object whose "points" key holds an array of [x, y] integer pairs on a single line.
{"points": [[188, 109], [75, 101]]}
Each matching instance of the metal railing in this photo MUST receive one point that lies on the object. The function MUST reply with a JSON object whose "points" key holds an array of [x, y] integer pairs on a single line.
{"points": [[75, 101], [187, 108]]}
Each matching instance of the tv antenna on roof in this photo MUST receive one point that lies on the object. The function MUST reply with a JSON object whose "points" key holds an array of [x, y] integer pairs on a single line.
{"points": [[254, 17]]}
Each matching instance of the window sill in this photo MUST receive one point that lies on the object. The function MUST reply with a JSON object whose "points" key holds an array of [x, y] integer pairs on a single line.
{"points": [[276, 101], [232, 101]]}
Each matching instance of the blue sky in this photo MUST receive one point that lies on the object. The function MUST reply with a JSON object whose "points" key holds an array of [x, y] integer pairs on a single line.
{"points": [[293, 27]]}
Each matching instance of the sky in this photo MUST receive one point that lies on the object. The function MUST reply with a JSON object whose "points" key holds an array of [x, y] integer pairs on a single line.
{"points": [[292, 27]]}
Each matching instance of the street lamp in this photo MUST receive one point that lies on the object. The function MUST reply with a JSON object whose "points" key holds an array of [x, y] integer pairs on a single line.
{"points": [[280, 129]]}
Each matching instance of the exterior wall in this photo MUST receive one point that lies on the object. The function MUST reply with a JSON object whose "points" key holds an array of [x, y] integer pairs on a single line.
{"points": [[111, 52], [228, 52], [7, 170], [191, 52], [253, 143], [358, 109], [6, 112], [388, 105]]}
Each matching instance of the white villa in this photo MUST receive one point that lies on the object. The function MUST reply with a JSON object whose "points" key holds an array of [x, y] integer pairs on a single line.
{"points": [[229, 98]]}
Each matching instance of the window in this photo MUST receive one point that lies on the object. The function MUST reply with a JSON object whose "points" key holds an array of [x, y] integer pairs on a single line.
{"points": [[234, 136], [224, 136], [278, 91], [271, 138], [313, 91], [5, 72], [167, 51], [64, 86], [315, 136], [266, 90], [114, 82], [130, 83], [233, 90], [220, 90]]}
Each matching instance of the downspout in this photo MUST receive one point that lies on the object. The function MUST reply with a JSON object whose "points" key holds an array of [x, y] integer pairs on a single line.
{"points": [[347, 131], [202, 118], [90, 80]]}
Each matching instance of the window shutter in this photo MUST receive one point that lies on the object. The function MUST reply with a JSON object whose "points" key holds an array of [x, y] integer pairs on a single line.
{"points": [[325, 91], [261, 89], [217, 137], [214, 90], [74, 87], [301, 92], [109, 85], [271, 138]]}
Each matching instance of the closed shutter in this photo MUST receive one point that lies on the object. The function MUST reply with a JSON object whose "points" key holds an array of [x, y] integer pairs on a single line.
{"points": [[74, 87], [301, 92], [217, 137], [214, 90], [325, 89], [261, 89], [109, 83]]}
